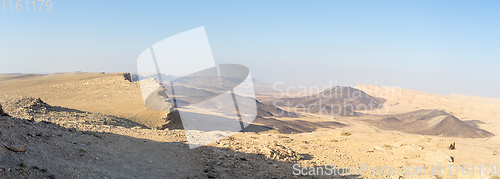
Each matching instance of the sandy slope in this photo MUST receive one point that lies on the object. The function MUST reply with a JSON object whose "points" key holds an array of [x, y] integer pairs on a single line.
{"points": [[109, 94]]}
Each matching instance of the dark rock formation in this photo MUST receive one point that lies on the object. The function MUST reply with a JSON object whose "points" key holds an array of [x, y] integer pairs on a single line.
{"points": [[2, 113]]}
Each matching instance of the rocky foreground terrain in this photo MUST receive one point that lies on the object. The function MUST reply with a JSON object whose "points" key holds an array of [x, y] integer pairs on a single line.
{"points": [[46, 141]]}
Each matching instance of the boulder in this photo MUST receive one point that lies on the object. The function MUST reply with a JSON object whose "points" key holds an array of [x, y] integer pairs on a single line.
{"points": [[17, 148], [452, 146], [2, 113]]}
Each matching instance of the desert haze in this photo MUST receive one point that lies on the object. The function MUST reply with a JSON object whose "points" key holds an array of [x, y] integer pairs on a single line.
{"points": [[95, 125]]}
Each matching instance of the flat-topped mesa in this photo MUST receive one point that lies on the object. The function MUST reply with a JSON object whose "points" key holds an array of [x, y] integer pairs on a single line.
{"points": [[2, 113]]}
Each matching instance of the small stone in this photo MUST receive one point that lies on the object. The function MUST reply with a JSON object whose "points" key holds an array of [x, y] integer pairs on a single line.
{"points": [[17, 148], [22, 164], [452, 146], [210, 175]]}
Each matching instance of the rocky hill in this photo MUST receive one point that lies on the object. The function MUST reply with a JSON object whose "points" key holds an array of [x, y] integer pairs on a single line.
{"points": [[338, 101], [431, 122]]}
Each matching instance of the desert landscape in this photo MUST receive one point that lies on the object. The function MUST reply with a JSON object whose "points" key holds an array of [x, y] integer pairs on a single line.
{"points": [[95, 125], [249, 89]]}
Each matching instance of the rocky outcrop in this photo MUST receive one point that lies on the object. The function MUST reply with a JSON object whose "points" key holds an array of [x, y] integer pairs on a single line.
{"points": [[172, 121], [2, 113], [155, 96], [276, 151], [127, 77]]}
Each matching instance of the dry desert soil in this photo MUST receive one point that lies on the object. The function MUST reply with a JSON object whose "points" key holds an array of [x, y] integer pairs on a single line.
{"points": [[92, 125]]}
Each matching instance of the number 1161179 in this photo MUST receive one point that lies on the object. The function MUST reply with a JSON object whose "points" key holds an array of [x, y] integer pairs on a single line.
{"points": [[26, 5]]}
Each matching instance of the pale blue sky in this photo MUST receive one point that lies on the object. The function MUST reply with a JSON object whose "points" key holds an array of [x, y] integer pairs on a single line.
{"points": [[434, 46]]}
